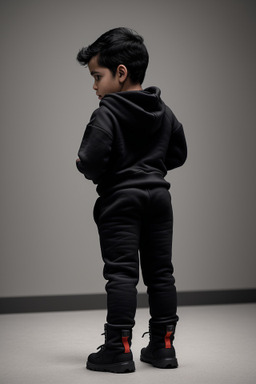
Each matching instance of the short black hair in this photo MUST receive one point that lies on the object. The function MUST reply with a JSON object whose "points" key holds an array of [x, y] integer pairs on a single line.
{"points": [[119, 46]]}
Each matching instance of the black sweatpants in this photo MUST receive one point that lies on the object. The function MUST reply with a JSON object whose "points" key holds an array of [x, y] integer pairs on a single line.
{"points": [[132, 222]]}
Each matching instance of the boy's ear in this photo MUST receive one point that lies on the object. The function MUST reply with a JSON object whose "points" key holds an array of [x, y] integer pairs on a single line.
{"points": [[122, 73]]}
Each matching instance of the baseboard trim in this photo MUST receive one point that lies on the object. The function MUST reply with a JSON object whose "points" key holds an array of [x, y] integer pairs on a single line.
{"points": [[10, 305]]}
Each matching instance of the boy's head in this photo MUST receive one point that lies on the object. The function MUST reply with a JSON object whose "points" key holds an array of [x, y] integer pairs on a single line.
{"points": [[119, 48]]}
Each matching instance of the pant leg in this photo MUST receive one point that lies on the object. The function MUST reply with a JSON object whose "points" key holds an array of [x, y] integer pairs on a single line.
{"points": [[156, 256], [118, 218]]}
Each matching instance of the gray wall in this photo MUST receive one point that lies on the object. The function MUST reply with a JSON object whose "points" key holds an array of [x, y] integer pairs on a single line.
{"points": [[202, 56]]}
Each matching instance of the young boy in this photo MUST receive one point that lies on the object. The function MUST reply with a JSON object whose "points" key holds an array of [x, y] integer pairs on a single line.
{"points": [[129, 144]]}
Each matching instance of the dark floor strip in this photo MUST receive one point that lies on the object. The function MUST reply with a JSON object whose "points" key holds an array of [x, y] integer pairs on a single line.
{"points": [[98, 301]]}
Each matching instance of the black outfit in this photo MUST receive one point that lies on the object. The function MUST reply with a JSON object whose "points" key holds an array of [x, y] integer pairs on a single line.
{"points": [[130, 143]]}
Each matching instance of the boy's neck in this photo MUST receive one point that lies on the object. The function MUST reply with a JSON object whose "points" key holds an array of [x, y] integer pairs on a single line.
{"points": [[128, 86]]}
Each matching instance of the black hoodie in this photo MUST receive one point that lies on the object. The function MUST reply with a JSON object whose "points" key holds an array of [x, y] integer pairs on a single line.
{"points": [[131, 141]]}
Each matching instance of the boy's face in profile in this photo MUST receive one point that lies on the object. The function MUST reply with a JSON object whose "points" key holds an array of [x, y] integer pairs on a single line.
{"points": [[104, 81]]}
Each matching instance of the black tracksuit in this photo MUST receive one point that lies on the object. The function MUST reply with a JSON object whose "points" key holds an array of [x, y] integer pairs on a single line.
{"points": [[130, 143]]}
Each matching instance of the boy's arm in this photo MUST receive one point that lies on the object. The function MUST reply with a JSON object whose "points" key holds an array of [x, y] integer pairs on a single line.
{"points": [[94, 152], [177, 150]]}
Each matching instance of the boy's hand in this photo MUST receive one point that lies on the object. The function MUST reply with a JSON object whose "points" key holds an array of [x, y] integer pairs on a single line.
{"points": [[79, 165]]}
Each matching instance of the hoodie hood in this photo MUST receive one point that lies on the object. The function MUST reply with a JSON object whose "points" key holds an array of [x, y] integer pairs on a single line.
{"points": [[137, 110]]}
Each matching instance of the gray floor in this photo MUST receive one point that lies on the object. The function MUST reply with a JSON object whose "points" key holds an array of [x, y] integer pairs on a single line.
{"points": [[215, 344]]}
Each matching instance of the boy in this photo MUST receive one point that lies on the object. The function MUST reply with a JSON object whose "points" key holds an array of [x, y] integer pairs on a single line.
{"points": [[131, 141]]}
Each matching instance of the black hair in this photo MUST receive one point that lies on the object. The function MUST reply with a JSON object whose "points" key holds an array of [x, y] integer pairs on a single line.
{"points": [[119, 46]]}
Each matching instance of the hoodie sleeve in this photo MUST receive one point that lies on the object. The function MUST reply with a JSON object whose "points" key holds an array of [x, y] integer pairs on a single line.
{"points": [[95, 150], [177, 149]]}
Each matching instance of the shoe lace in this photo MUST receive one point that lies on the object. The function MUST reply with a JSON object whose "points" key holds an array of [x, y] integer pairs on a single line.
{"points": [[148, 332], [102, 346]]}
